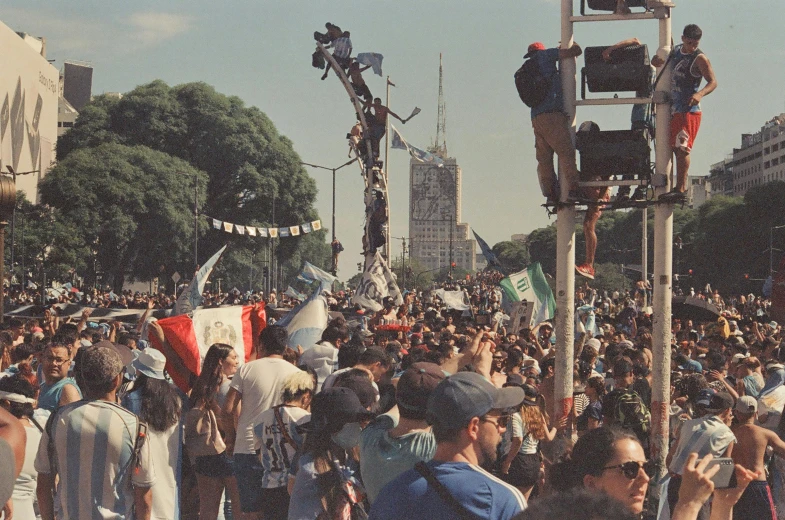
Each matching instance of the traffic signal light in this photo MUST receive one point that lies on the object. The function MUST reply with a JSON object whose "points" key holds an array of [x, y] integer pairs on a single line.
{"points": [[690, 272], [453, 265], [746, 276]]}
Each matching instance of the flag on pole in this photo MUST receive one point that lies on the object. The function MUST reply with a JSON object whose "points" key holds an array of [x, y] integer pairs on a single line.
{"points": [[530, 285], [490, 257], [418, 154], [311, 272], [192, 336], [306, 322], [377, 283], [191, 298]]}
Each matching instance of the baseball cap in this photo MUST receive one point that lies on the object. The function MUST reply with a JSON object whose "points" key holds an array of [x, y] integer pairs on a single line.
{"points": [[416, 385], [714, 401], [336, 406], [531, 395], [460, 397], [746, 404], [534, 47]]}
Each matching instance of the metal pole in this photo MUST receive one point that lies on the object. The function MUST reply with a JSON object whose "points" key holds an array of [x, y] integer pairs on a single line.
{"points": [[3, 224], [196, 224], [771, 251], [645, 255], [565, 251], [334, 203], [385, 171], [663, 263]]}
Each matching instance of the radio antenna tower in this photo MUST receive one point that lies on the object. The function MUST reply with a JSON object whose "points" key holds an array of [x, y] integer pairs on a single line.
{"points": [[440, 144]]}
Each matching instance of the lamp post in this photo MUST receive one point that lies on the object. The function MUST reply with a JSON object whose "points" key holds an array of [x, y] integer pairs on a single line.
{"points": [[332, 170]]}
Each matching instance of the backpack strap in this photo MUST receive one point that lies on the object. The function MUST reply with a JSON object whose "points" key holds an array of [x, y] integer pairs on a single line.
{"points": [[282, 427], [463, 513]]}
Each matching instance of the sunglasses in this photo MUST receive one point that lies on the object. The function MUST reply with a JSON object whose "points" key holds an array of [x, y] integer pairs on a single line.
{"points": [[501, 420], [632, 468]]}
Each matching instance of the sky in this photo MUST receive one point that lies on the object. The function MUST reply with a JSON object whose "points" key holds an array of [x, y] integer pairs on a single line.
{"points": [[260, 50]]}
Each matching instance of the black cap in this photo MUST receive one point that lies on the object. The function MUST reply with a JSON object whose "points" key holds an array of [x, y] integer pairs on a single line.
{"points": [[333, 407]]}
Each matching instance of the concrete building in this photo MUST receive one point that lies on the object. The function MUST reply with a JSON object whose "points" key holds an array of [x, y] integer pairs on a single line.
{"points": [[29, 92], [748, 163], [698, 190], [437, 235], [721, 179]]}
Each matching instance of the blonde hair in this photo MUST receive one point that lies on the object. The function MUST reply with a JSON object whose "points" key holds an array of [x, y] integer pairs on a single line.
{"points": [[296, 385]]}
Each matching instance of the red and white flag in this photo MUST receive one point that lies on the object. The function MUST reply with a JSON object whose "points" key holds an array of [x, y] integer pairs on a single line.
{"points": [[191, 336]]}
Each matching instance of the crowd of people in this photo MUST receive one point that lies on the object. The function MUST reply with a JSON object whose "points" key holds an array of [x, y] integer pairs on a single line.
{"points": [[416, 411]]}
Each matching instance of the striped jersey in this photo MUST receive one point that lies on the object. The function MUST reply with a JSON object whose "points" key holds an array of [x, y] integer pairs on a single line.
{"points": [[277, 454], [93, 443], [704, 435]]}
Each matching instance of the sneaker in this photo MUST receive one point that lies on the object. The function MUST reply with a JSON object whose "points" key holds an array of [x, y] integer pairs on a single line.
{"points": [[673, 196], [639, 195], [585, 270]]}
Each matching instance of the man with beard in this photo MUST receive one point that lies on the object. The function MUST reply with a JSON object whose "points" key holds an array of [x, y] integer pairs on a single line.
{"points": [[468, 415]]}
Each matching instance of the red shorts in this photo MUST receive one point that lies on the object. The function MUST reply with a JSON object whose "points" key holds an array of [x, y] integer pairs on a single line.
{"points": [[690, 122]]}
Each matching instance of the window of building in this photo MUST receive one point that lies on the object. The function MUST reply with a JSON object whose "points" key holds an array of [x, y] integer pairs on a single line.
{"points": [[766, 151], [775, 147], [766, 165]]}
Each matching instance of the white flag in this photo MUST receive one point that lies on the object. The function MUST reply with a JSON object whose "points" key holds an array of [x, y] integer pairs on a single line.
{"points": [[377, 283], [228, 227], [251, 230], [240, 229]]}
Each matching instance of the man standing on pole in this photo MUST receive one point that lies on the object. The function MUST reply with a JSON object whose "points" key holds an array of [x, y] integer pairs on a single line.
{"points": [[551, 125], [689, 67]]}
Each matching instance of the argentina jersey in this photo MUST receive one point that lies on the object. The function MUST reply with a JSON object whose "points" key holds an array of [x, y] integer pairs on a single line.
{"points": [[277, 450]]}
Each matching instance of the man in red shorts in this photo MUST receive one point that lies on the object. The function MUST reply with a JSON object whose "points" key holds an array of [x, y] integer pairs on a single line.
{"points": [[689, 66]]}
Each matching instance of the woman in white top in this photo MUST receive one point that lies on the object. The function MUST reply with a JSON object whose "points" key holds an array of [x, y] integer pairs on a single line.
{"points": [[18, 395]]}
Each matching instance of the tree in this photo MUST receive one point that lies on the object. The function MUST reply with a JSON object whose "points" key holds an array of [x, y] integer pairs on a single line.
{"points": [[252, 173], [514, 256], [128, 206], [542, 248], [609, 277]]}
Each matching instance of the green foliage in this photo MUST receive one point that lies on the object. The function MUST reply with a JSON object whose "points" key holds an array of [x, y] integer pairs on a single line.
{"points": [[608, 277], [542, 248], [514, 256], [248, 174]]}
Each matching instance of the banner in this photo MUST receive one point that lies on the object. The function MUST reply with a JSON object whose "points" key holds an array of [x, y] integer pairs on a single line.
{"points": [[418, 154], [191, 298], [453, 299], [311, 272], [530, 285], [377, 283]]}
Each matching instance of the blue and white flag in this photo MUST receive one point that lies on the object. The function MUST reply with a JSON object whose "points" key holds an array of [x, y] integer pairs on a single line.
{"points": [[374, 59], [306, 322], [418, 154], [191, 298], [292, 293], [490, 257], [312, 272]]}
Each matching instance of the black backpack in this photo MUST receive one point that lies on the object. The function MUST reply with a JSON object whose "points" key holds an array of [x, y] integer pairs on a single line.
{"points": [[532, 86], [631, 413]]}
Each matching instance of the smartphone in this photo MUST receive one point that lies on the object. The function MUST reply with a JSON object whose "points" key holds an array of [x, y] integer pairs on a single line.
{"points": [[726, 477]]}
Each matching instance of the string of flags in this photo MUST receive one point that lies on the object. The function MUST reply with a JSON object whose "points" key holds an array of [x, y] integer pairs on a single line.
{"points": [[265, 232]]}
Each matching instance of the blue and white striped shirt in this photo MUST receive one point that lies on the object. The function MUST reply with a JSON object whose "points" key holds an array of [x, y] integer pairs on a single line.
{"points": [[93, 454], [342, 47]]}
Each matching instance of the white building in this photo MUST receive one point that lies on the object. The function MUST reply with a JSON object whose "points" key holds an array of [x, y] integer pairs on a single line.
{"points": [[29, 91], [437, 235]]}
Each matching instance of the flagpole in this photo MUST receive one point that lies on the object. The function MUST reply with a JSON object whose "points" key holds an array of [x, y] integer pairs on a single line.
{"points": [[386, 176]]}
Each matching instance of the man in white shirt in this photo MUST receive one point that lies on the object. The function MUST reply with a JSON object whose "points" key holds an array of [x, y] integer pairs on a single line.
{"points": [[257, 385]]}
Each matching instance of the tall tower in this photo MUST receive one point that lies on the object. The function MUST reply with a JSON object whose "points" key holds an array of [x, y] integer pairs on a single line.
{"points": [[439, 146]]}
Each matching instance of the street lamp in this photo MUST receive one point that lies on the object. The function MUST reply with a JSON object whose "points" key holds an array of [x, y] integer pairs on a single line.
{"points": [[332, 170]]}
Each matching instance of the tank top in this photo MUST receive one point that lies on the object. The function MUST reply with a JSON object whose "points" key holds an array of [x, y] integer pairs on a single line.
{"points": [[49, 396], [685, 80]]}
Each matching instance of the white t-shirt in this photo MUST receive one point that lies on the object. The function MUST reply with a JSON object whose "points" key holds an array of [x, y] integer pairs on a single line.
{"points": [[24, 488], [165, 450], [260, 384]]}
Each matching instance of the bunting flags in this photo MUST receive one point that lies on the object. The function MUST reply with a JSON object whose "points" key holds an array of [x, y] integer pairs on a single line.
{"points": [[253, 231], [418, 154]]}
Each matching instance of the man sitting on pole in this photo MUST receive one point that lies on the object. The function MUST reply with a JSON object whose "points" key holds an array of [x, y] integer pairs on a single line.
{"points": [[551, 124], [689, 67]]}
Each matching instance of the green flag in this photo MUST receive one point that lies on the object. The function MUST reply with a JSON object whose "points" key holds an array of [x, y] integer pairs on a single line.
{"points": [[530, 285]]}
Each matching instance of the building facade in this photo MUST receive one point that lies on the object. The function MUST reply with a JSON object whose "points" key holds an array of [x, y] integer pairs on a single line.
{"points": [[437, 235], [29, 92]]}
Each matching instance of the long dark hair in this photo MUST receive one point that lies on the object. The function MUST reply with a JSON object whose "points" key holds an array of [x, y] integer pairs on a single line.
{"points": [[590, 455], [206, 386], [161, 405]]}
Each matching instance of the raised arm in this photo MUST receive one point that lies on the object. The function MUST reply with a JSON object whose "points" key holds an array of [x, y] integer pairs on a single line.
{"points": [[572, 52], [606, 54]]}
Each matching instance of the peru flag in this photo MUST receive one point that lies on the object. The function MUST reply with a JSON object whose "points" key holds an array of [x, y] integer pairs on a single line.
{"points": [[191, 336]]}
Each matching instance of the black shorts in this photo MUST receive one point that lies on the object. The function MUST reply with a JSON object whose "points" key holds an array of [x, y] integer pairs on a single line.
{"points": [[524, 470], [756, 502], [214, 466], [275, 503]]}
